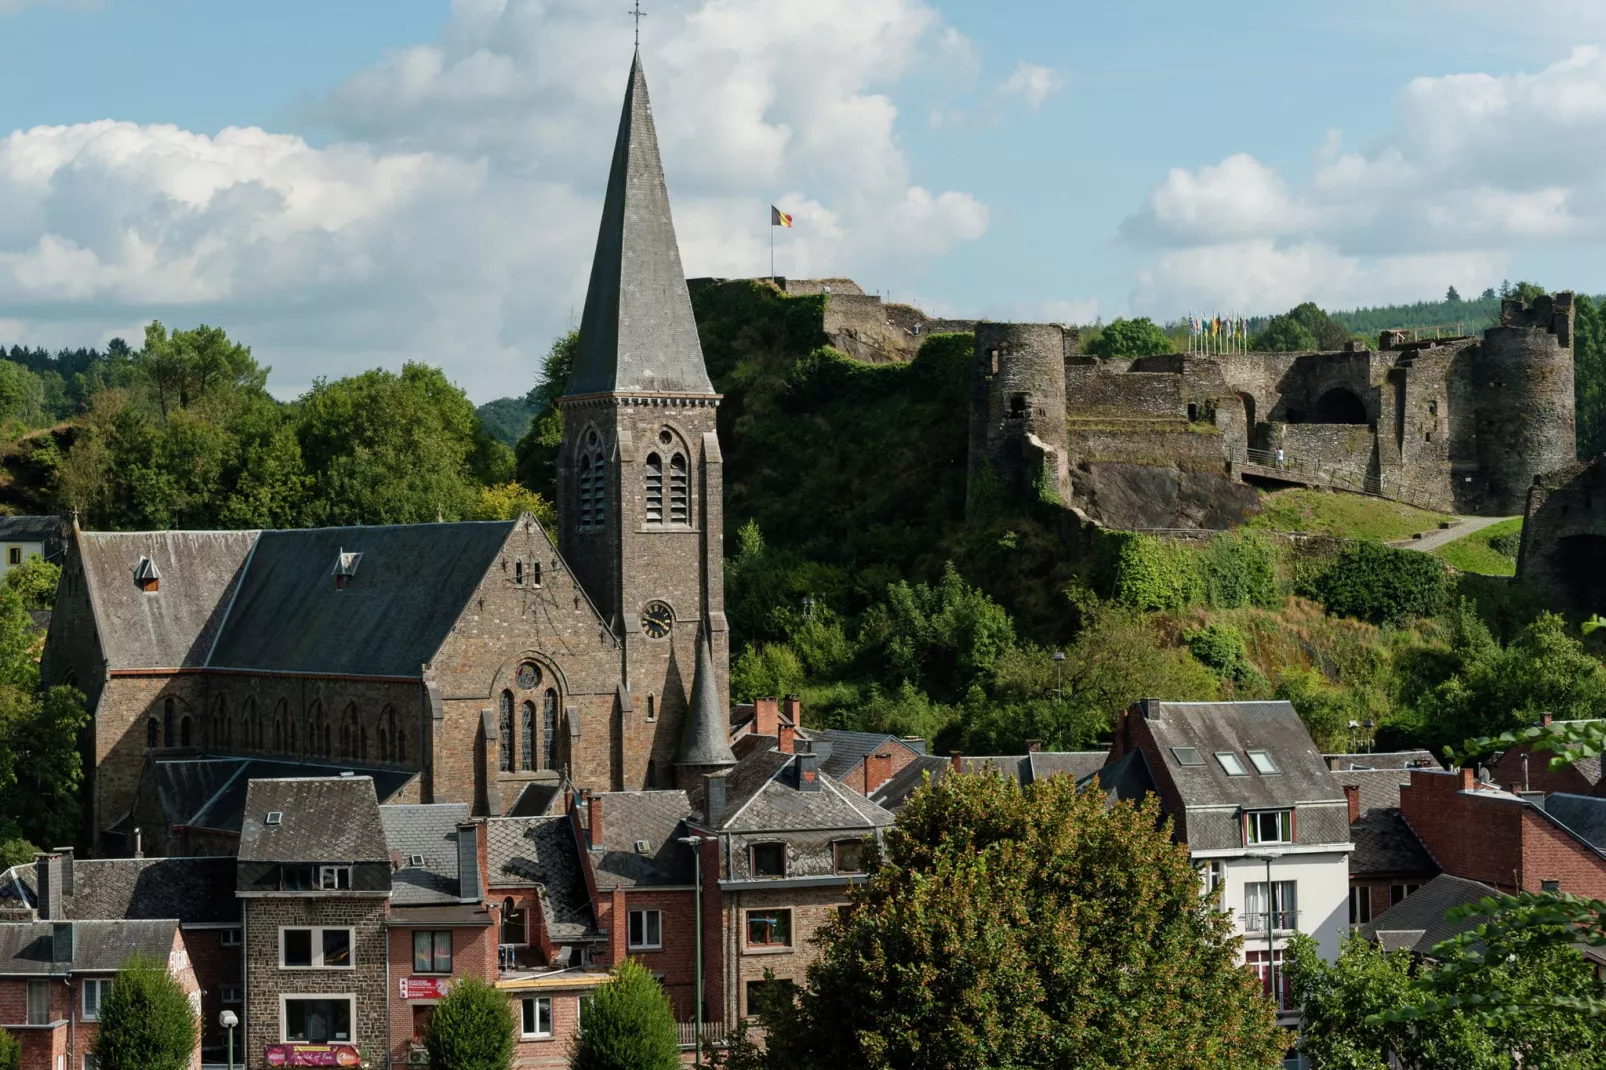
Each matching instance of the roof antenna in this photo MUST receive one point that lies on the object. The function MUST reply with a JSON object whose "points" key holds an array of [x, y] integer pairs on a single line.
{"points": [[638, 15]]}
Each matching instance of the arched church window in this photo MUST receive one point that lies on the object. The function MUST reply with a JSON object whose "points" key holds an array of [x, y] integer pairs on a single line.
{"points": [[290, 735], [655, 489], [184, 732], [167, 723], [504, 743], [527, 737], [652, 707], [219, 716], [549, 730], [150, 733], [679, 503], [535, 573]]}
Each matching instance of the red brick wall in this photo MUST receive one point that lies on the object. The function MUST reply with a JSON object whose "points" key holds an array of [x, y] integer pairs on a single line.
{"points": [[1507, 772], [550, 1051], [1132, 733], [473, 955], [214, 966]]}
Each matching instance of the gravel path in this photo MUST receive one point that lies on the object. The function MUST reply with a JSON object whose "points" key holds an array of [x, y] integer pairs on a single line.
{"points": [[1464, 525]]}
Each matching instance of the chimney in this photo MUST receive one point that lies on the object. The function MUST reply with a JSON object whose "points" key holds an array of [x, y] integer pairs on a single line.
{"points": [[767, 716], [67, 874], [788, 739], [792, 710], [468, 863], [1034, 746], [61, 949], [808, 772], [594, 820], [1352, 795], [956, 762], [877, 770], [713, 799], [47, 886], [1464, 778]]}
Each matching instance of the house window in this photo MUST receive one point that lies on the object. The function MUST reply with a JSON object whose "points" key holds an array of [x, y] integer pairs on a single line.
{"points": [[317, 1020], [432, 952], [232, 994], [646, 929], [849, 856], [504, 744], [768, 859], [1550, 886], [770, 993], [1211, 876], [14, 555], [95, 990], [231, 938], [769, 928], [334, 878], [655, 489], [38, 1002], [91, 1061], [679, 508], [1265, 964], [582, 1004], [549, 729], [1230, 762], [1398, 892], [1360, 905], [1269, 826], [1284, 910], [1262, 762], [512, 924], [315, 949], [536, 1019]]}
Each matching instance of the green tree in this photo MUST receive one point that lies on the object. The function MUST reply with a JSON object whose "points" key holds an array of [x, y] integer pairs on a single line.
{"points": [[186, 367], [1140, 337], [145, 1020], [471, 1029], [22, 394], [1302, 327], [1035, 927], [941, 635], [509, 501], [1383, 585], [628, 1025], [537, 450], [35, 582], [10, 1051], [1451, 295], [1323, 708]]}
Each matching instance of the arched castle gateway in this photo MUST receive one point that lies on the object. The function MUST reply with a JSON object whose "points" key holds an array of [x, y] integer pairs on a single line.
{"points": [[467, 662]]}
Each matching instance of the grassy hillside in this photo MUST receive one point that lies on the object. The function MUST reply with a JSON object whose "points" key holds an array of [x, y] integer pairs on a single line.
{"points": [[1350, 516], [1491, 551], [506, 419]]}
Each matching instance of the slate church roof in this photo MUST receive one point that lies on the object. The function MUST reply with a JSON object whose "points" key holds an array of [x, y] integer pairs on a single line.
{"points": [[637, 331], [320, 819]]}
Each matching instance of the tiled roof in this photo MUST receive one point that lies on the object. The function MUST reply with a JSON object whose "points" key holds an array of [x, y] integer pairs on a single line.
{"points": [[656, 818], [848, 749], [1384, 844], [1302, 775], [539, 852], [429, 830], [30, 528], [637, 331], [1584, 815], [1396, 759], [761, 793], [905, 782], [173, 627], [1014, 766], [210, 793], [101, 946], [192, 890], [323, 819], [1379, 788], [1075, 764], [1423, 911]]}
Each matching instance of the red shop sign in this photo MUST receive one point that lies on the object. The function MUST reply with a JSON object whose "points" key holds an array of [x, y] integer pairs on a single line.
{"points": [[425, 987], [313, 1055]]}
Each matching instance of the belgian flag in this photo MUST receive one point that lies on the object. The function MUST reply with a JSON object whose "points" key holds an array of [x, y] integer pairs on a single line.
{"points": [[779, 218]]}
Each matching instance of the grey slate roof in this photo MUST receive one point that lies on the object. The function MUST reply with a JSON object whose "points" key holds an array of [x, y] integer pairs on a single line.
{"points": [[428, 829], [761, 794], [210, 793], [325, 819], [1422, 913], [1385, 844], [637, 332], [411, 584], [705, 740], [98, 946], [1013, 766], [192, 890], [1076, 764], [905, 782], [843, 751], [1584, 815], [1209, 727], [1379, 788], [1396, 759], [656, 817], [175, 626], [540, 852], [45, 529]]}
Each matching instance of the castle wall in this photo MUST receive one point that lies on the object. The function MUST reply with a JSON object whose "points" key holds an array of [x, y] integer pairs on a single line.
{"points": [[1094, 395], [1017, 405], [1343, 448], [1525, 400], [1562, 561]]}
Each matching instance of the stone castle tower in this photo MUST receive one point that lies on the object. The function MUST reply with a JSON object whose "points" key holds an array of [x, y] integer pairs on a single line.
{"points": [[1017, 407], [639, 472]]}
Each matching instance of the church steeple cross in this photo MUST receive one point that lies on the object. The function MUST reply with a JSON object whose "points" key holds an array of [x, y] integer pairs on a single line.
{"points": [[638, 15]]}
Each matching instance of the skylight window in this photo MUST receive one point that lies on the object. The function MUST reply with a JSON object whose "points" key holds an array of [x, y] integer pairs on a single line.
{"points": [[1231, 763], [1262, 762], [275, 817], [1187, 755]]}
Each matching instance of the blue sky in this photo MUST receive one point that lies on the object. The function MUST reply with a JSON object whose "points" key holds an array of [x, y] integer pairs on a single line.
{"points": [[360, 183]]}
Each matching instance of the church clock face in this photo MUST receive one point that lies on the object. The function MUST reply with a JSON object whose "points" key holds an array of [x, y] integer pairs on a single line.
{"points": [[657, 619]]}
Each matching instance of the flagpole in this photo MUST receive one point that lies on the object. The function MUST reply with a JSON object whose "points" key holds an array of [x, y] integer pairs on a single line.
{"points": [[772, 249]]}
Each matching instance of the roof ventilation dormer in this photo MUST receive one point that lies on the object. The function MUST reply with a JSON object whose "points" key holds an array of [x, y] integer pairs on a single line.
{"points": [[345, 568], [146, 576]]}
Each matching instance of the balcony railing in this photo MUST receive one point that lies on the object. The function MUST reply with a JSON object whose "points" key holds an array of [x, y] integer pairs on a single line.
{"points": [[1282, 921], [713, 1033]]}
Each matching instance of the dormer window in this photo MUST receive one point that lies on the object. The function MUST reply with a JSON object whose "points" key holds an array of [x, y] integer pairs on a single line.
{"points": [[345, 568], [334, 878], [1268, 826], [275, 817], [146, 576]]}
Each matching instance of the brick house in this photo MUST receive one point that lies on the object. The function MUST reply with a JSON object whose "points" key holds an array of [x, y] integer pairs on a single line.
{"points": [[1264, 820], [1389, 862], [1524, 769]]}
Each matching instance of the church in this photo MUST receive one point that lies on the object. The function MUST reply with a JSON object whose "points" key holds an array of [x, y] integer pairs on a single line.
{"points": [[478, 663]]}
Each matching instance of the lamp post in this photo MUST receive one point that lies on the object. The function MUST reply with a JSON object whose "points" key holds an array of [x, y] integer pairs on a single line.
{"points": [[228, 1020], [695, 843], [1059, 675], [1271, 953]]}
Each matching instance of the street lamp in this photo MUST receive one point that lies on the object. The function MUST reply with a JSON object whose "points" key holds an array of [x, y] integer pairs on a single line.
{"points": [[695, 843], [1059, 675], [1271, 953], [228, 1020]]}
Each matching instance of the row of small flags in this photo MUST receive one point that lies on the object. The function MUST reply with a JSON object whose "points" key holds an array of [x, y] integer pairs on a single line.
{"points": [[1231, 326]]}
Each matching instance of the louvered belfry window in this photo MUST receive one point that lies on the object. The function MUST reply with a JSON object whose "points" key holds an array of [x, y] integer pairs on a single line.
{"points": [[655, 489], [593, 483], [679, 502]]}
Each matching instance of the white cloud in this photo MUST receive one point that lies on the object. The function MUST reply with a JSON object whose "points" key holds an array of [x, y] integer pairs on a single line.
{"points": [[1032, 83], [453, 217], [1473, 167]]}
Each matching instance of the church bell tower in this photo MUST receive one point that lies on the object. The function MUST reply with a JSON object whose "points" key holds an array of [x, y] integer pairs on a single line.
{"points": [[639, 477]]}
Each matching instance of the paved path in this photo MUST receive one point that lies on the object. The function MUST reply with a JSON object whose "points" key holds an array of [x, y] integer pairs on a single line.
{"points": [[1464, 525]]}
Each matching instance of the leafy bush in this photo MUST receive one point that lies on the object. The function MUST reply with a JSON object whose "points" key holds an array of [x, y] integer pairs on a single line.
{"points": [[1238, 569], [628, 1026], [1383, 585], [1146, 572], [35, 582], [471, 1029], [1324, 709], [146, 1022], [1140, 337], [1221, 647], [942, 634], [767, 669], [10, 1052], [1507, 545]]}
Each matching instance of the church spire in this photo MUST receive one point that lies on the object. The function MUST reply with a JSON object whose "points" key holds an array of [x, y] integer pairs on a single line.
{"points": [[637, 334], [705, 741]]}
